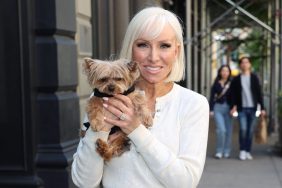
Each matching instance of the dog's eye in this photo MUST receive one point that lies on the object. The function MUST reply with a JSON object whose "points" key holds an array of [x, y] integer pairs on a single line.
{"points": [[118, 79], [104, 79]]}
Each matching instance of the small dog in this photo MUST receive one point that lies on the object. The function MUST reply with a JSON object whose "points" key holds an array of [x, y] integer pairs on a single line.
{"points": [[109, 78]]}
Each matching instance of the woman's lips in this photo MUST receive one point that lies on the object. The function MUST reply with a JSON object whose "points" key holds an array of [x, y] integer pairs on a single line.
{"points": [[153, 70]]}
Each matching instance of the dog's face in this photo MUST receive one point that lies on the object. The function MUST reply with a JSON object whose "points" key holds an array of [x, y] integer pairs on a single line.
{"points": [[111, 77]]}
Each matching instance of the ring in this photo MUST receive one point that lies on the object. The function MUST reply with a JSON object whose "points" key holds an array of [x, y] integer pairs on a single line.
{"points": [[122, 117]]}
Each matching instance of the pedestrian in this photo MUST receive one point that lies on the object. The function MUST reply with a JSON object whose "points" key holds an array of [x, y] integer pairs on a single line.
{"points": [[246, 97], [170, 154], [220, 101]]}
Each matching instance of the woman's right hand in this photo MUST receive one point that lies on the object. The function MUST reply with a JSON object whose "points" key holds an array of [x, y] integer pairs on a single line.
{"points": [[211, 113]]}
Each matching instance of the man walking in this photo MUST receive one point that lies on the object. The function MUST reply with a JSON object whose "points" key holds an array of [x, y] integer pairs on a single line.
{"points": [[246, 96]]}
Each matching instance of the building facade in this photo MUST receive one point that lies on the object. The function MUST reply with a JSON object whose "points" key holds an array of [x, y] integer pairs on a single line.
{"points": [[43, 89]]}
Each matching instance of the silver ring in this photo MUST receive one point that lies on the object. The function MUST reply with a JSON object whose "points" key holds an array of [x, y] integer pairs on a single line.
{"points": [[122, 117]]}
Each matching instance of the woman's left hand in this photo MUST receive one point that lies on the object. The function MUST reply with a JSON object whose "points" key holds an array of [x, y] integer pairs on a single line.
{"points": [[121, 106]]}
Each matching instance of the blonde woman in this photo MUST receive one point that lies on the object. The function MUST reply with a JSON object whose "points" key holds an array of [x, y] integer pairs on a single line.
{"points": [[170, 154]]}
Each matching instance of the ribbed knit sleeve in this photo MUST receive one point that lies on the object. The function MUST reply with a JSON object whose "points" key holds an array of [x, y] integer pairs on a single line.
{"points": [[185, 168], [87, 166]]}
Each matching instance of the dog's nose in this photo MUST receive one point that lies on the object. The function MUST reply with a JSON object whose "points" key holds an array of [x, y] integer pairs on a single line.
{"points": [[111, 88]]}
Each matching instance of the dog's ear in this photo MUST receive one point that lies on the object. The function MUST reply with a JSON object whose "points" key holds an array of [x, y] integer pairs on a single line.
{"points": [[132, 66], [87, 63]]}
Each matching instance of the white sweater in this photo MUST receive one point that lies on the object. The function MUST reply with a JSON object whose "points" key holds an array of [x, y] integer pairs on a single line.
{"points": [[170, 154]]}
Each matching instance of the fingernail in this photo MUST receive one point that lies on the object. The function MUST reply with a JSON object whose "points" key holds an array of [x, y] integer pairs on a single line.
{"points": [[105, 105], [105, 98]]}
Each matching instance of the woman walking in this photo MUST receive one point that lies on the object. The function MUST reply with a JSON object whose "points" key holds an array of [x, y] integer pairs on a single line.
{"points": [[220, 107]]}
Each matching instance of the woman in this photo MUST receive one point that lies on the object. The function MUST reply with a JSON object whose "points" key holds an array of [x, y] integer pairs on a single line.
{"points": [[171, 153], [220, 106]]}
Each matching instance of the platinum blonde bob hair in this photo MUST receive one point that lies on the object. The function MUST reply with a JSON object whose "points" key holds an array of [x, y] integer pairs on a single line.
{"points": [[150, 22]]}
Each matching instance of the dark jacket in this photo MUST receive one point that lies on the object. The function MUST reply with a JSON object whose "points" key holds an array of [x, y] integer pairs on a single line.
{"points": [[236, 92], [215, 91]]}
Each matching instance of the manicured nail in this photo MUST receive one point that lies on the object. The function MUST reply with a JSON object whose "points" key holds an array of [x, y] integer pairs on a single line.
{"points": [[105, 98], [105, 105]]}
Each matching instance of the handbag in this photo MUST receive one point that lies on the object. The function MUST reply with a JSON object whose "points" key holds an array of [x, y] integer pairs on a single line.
{"points": [[261, 131], [224, 90]]}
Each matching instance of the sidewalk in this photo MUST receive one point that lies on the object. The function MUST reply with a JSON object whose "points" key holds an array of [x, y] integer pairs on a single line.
{"points": [[265, 171]]}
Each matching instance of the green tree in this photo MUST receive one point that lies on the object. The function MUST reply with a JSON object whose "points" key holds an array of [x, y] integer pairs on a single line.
{"points": [[255, 45]]}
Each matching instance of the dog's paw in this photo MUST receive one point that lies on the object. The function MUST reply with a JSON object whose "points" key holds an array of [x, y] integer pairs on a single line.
{"points": [[148, 121], [93, 124], [96, 124], [103, 149]]}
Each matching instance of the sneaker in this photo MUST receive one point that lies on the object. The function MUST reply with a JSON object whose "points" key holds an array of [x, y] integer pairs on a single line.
{"points": [[242, 155], [226, 155], [249, 156], [218, 155]]}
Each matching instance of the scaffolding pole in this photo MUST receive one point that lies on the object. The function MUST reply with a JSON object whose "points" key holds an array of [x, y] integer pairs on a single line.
{"points": [[189, 45], [258, 21]]}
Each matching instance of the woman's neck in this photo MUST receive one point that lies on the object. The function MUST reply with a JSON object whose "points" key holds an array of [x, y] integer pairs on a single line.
{"points": [[154, 91], [223, 80]]}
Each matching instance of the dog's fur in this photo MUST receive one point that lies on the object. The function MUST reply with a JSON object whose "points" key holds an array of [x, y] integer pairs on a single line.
{"points": [[113, 77]]}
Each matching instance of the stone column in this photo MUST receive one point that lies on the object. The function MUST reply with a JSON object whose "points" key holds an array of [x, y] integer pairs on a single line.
{"points": [[56, 82]]}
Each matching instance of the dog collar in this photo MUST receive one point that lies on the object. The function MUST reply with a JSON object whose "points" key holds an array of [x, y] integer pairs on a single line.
{"points": [[97, 93]]}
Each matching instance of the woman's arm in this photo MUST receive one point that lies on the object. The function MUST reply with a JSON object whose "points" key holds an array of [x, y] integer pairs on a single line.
{"points": [[185, 168], [87, 166], [212, 97]]}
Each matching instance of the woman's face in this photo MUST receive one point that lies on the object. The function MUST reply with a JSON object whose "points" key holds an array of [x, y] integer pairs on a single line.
{"points": [[224, 73], [155, 57]]}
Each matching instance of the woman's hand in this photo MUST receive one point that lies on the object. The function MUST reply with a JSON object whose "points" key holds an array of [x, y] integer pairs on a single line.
{"points": [[121, 106]]}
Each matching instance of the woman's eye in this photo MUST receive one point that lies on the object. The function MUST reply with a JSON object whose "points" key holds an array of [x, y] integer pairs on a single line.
{"points": [[165, 45], [141, 45]]}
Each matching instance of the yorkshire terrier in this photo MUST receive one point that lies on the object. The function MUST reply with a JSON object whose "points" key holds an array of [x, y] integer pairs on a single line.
{"points": [[108, 78]]}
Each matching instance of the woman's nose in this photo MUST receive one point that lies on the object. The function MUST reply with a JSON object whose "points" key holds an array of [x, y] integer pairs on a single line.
{"points": [[154, 54]]}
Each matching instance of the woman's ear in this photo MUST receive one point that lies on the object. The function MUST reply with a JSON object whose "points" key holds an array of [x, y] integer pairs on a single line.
{"points": [[177, 50]]}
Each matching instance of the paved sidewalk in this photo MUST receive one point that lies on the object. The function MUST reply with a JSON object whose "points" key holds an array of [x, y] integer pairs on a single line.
{"points": [[265, 171]]}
